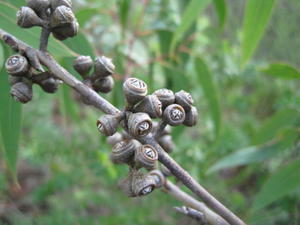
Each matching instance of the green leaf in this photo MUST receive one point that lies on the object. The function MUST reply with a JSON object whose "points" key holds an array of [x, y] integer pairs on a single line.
{"points": [[124, 7], [221, 9], [255, 154], [30, 36], [10, 123], [210, 91], [190, 15], [1, 57], [257, 15], [282, 70], [84, 15], [281, 119], [280, 184]]}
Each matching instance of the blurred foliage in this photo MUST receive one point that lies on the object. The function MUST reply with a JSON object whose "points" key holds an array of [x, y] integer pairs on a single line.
{"points": [[244, 150]]}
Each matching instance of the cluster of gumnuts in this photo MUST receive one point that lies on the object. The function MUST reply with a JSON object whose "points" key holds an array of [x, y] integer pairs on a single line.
{"points": [[138, 120], [54, 15]]}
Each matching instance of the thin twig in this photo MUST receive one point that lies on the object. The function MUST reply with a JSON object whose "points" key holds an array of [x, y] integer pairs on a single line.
{"points": [[44, 39], [92, 98], [211, 217], [192, 213]]}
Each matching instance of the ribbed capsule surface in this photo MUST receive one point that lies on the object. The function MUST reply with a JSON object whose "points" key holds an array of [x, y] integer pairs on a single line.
{"points": [[17, 65], [39, 6], [184, 99], [191, 117], [57, 3], [146, 156], [165, 96], [83, 65], [134, 90], [66, 31], [21, 92], [27, 18], [139, 124], [174, 115], [150, 105], [108, 124], [104, 84], [142, 184], [61, 16], [159, 178], [103, 66], [123, 152]]}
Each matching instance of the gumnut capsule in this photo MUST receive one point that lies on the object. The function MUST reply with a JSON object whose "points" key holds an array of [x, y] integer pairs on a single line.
{"points": [[150, 105], [13, 79], [57, 3], [104, 84], [62, 16], [184, 99], [46, 81], [174, 115], [134, 90], [83, 65], [103, 66], [108, 124], [39, 6], [139, 124], [114, 139], [17, 65], [191, 117], [67, 31], [165, 96], [27, 18], [123, 152], [146, 156], [22, 92], [142, 184], [159, 178]]}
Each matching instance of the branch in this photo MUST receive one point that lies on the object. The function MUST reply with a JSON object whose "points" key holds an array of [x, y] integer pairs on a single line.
{"points": [[211, 217], [192, 213], [92, 98]]}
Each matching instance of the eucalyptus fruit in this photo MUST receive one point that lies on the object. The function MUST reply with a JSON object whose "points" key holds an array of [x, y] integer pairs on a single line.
{"points": [[146, 156], [139, 124], [184, 99], [174, 115], [103, 66], [191, 117], [27, 18], [17, 65], [150, 105], [39, 6], [83, 65], [165, 96], [108, 124], [123, 152], [104, 84], [134, 90], [22, 92]]}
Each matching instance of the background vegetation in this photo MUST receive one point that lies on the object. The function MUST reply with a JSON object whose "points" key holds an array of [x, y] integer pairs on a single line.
{"points": [[235, 57]]}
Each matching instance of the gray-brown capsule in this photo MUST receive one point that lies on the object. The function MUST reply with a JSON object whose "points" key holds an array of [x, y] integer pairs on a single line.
{"points": [[123, 152], [142, 184], [62, 16], [103, 66], [17, 65], [13, 79], [108, 124], [66, 31], [165, 96], [139, 124], [104, 84], [57, 3], [159, 178], [166, 142], [27, 18], [174, 115], [134, 90], [184, 99], [46, 81], [83, 65], [150, 105], [21, 92], [146, 156], [191, 117], [114, 139], [39, 6]]}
